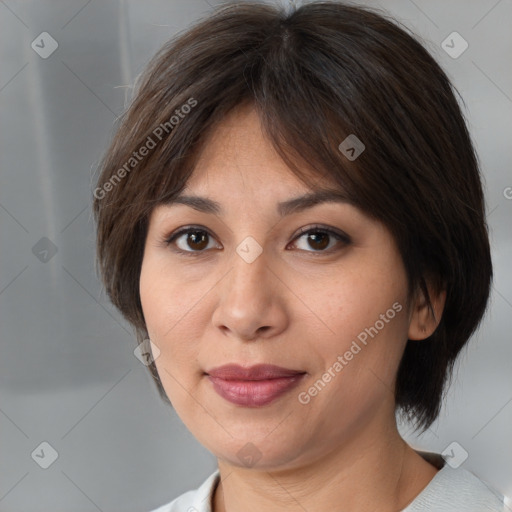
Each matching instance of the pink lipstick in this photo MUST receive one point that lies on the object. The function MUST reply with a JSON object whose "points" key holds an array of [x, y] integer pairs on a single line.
{"points": [[254, 386]]}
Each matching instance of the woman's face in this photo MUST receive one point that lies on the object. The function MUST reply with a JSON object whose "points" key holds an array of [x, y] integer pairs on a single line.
{"points": [[249, 288]]}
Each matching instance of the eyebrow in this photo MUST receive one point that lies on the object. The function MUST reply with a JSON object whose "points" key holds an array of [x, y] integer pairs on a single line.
{"points": [[294, 205]]}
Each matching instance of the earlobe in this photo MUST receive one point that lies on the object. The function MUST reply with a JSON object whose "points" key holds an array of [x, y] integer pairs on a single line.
{"points": [[423, 323]]}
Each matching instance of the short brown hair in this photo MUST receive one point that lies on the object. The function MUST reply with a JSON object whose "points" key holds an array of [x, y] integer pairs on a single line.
{"points": [[316, 74]]}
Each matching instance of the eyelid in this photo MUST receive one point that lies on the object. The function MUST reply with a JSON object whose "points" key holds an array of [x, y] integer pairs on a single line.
{"points": [[337, 233], [169, 239], [327, 229]]}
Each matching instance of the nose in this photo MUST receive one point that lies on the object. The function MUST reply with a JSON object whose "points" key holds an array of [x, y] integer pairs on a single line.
{"points": [[251, 300]]}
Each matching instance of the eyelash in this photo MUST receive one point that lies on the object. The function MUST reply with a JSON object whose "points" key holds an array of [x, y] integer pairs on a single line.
{"points": [[339, 236]]}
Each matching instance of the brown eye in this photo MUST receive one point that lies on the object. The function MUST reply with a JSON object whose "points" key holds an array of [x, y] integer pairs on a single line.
{"points": [[197, 240], [194, 241], [318, 239], [190, 240]]}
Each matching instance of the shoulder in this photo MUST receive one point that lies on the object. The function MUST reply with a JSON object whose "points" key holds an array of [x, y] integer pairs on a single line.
{"points": [[197, 500], [453, 490]]}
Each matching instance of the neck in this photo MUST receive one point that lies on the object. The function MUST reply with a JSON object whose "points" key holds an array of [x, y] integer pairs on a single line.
{"points": [[376, 471]]}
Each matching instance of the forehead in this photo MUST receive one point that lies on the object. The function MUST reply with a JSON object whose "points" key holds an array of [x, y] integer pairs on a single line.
{"points": [[238, 154]]}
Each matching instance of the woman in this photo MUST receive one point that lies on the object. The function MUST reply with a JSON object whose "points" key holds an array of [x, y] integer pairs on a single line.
{"points": [[290, 215]]}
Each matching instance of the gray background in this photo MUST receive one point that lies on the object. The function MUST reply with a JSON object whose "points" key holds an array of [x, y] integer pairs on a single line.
{"points": [[68, 374]]}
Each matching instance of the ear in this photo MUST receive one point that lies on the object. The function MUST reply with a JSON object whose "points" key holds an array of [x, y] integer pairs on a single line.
{"points": [[423, 323]]}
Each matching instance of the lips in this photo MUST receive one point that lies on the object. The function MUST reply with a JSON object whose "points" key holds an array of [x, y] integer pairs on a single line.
{"points": [[255, 386], [256, 372]]}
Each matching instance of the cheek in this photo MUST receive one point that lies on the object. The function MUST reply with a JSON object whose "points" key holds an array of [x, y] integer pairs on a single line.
{"points": [[161, 293], [172, 311], [152, 296], [161, 305], [359, 370], [358, 300], [368, 319]]}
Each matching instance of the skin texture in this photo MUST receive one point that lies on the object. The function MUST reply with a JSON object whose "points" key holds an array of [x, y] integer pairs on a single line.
{"points": [[293, 306]]}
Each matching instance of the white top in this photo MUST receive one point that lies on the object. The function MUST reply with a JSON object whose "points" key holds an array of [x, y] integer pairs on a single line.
{"points": [[451, 490]]}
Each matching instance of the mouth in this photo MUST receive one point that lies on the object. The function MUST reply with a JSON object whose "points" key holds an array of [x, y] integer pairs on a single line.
{"points": [[255, 386]]}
